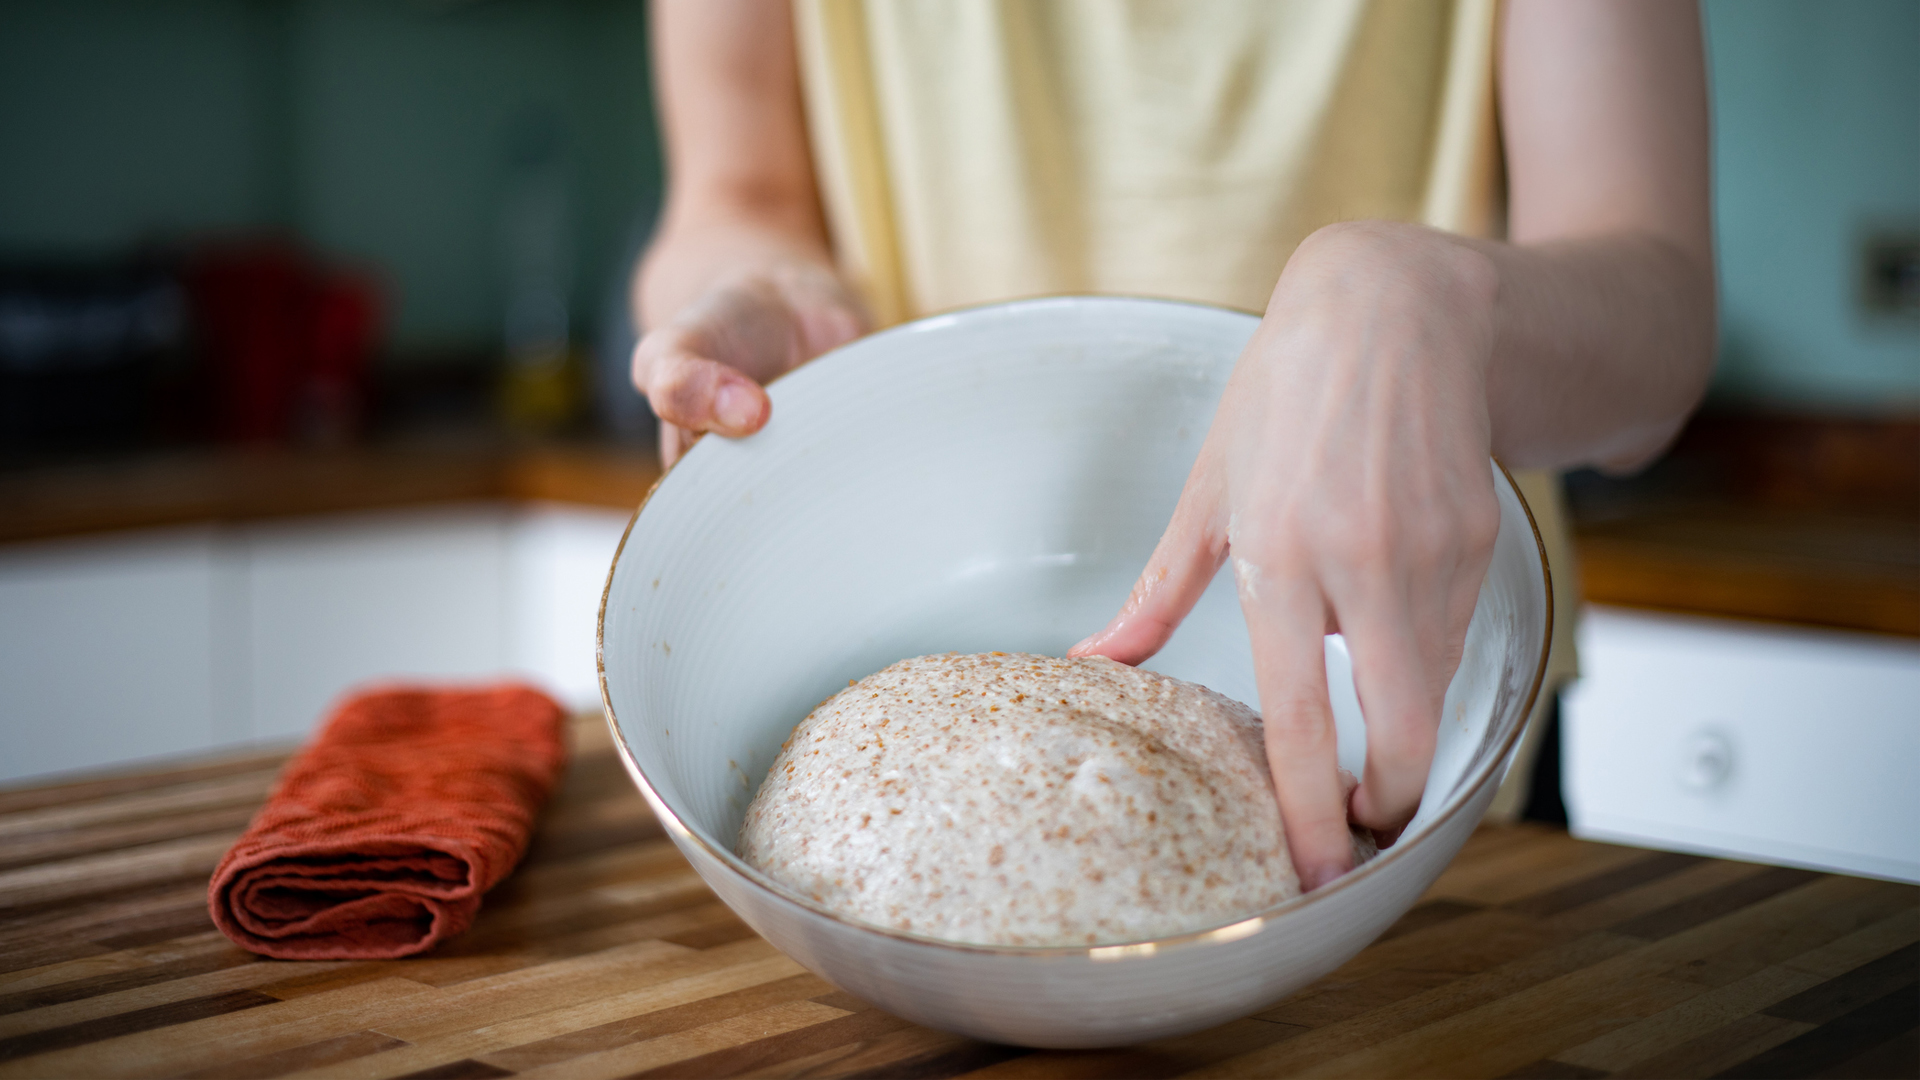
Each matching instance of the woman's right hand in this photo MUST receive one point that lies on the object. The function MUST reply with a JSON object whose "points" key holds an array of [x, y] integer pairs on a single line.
{"points": [[703, 369]]}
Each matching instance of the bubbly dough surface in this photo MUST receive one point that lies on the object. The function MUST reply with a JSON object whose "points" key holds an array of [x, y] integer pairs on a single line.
{"points": [[1014, 799]]}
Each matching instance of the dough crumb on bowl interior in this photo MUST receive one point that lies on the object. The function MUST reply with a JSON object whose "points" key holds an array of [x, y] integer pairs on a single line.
{"points": [[1017, 799]]}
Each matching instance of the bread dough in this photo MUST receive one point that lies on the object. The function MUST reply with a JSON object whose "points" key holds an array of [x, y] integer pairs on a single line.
{"points": [[1014, 799]]}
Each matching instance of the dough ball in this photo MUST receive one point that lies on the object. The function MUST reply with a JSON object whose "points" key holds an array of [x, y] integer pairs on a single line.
{"points": [[1013, 799]]}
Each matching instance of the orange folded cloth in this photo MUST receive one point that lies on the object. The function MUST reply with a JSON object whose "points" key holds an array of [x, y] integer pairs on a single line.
{"points": [[383, 833]]}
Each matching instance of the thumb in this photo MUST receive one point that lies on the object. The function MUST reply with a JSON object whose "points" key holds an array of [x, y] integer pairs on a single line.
{"points": [[698, 394]]}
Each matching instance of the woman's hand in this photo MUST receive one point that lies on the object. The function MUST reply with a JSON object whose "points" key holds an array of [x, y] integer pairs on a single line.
{"points": [[1346, 470], [1346, 476], [738, 285], [703, 370]]}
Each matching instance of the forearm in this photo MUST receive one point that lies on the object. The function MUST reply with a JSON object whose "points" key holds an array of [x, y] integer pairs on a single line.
{"points": [[1605, 328], [740, 190], [1584, 352], [1603, 346]]}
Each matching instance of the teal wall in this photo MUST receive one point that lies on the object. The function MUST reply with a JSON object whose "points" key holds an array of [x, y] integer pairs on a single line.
{"points": [[122, 119], [1816, 142], [383, 132]]}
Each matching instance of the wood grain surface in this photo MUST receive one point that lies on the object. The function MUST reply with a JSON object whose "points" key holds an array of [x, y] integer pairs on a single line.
{"points": [[1848, 571], [1782, 555], [1778, 517], [605, 956], [229, 485]]}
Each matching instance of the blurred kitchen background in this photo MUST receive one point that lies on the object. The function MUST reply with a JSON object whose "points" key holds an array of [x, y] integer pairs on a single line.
{"points": [[313, 346], [312, 356]]}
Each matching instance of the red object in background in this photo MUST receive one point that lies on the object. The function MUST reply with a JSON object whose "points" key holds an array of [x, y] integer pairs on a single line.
{"points": [[288, 341], [331, 403], [384, 832]]}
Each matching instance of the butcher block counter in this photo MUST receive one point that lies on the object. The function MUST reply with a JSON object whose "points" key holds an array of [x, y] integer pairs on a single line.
{"points": [[605, 956], [1803, 522]]}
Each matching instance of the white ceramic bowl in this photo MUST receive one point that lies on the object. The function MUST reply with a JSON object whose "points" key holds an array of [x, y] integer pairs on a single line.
{"points": [[994, 479]]}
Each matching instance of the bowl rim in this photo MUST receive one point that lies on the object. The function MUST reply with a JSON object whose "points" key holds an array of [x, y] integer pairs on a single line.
{"points": [[1237, 930]]}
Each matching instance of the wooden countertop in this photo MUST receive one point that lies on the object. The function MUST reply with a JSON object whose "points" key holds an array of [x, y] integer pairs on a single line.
{"points": [[604, 956], [1808, 563], [1853, 571], [1786, 517], [227, 485]]}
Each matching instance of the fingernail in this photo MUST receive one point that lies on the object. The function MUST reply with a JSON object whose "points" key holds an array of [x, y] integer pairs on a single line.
{"points": [[1082, 647], [736, 407], [1312, 877]]}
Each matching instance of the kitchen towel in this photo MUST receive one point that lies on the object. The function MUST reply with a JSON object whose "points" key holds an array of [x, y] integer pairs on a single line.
{"points": [[384, 832]]}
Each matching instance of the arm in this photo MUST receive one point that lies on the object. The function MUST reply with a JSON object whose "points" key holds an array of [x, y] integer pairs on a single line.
{"points": [[738, 284], [1607, 287], [1345, 474]]}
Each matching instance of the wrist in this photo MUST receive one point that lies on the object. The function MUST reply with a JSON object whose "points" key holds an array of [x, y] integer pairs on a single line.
{"points": [[1396, 278], [691, 256], [1449, 269]]}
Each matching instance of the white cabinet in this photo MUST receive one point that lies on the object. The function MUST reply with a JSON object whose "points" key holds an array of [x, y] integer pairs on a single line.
{"points": [[557, 562], [330, 604], [1728, 738], [111, 649], [164, 642]]}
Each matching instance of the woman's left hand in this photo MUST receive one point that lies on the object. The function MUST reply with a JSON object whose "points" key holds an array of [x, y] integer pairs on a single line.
{"points": [[1346, 476]]}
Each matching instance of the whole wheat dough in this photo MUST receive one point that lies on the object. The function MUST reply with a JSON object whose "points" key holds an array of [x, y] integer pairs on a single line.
{"points": [[1013, 799]]}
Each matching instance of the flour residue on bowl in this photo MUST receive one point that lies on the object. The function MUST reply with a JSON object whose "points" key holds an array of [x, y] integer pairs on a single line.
{"points": [[1015, 799]]}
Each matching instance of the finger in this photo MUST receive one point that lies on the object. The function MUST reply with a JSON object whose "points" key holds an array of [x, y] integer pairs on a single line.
{"points": [[1401, 708], [1302, 743], [674, 441], [1182, 565], [699, 394]]}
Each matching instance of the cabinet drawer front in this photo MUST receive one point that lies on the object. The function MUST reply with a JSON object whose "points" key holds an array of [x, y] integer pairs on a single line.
{"points": [[1775, 744], [111, 650]]}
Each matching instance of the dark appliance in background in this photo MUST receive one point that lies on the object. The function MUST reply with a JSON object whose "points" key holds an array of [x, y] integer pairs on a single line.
{"points": [[95, 357], [249, 341]]}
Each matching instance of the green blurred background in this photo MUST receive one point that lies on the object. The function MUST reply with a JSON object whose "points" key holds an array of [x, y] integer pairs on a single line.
{"points": [[401, 136]]}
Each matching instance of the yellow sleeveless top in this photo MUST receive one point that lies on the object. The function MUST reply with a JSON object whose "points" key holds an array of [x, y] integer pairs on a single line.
{"points": [[978, 150]]}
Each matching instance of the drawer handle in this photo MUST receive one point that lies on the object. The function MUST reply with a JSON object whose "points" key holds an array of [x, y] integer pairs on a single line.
{"points": [[1708, 761]]}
